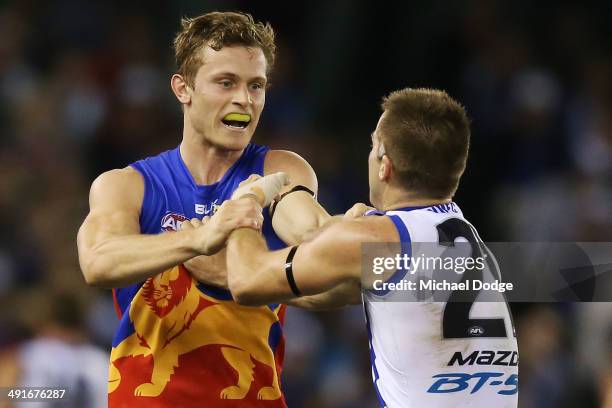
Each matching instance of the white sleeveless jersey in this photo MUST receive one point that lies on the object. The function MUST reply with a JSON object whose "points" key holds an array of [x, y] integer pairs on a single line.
{"points": [[440, 354]]}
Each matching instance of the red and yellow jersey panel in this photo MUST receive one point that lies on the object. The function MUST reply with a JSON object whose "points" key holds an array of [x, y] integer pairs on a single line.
{"points": [[181, 344]]}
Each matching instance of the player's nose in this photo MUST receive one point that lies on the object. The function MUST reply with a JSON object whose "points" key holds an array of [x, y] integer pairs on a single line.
{"points": [[241, 96]]}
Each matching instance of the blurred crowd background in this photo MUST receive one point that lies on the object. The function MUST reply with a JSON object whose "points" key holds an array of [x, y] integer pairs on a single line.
{"points": [[84, 87]]}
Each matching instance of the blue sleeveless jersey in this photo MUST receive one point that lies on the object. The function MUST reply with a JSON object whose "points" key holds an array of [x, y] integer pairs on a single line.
{"points": [[172, 315]]}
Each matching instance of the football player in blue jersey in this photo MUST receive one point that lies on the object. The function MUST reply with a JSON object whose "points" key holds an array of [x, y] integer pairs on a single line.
{"points": [[223, 62]]}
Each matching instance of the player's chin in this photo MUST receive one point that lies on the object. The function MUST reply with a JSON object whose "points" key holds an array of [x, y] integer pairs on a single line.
{"points": [[235, 141]]}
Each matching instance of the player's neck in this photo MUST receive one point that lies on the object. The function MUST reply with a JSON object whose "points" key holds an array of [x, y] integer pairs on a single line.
{"points": [[394, 199], [207, 163]]}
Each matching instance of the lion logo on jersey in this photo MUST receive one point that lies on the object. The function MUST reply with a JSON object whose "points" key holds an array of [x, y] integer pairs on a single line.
{"points": [[172, 317]]}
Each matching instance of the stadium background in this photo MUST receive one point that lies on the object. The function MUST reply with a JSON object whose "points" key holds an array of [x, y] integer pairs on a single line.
{"points": [[84, 88]]}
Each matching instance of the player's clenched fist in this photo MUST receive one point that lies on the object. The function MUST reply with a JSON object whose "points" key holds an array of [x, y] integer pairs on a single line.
{"points": [[212, 232]]}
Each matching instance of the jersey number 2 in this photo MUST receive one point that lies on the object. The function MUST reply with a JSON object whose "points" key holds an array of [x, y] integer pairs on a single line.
{"points": [[456, 322]]}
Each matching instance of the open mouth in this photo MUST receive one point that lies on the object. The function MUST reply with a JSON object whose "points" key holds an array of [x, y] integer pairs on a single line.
{"points": [[236, 120]]}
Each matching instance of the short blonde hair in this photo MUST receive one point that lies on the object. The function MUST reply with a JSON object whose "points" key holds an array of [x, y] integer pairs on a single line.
{"points": [[218, 30]]}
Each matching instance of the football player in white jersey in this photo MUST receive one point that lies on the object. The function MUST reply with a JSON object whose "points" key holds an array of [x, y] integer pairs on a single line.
{"points": [[455, 353]]}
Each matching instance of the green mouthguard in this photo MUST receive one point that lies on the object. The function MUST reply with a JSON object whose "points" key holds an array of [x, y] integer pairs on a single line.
{"points": [[238, 117]]}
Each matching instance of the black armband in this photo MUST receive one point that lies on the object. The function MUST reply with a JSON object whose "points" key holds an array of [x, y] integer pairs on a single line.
{"points": [[289, 272], [293, 190]]}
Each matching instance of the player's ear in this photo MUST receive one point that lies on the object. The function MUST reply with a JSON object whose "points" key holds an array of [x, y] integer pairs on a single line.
{"points": [[384, 170], [181, 89]]}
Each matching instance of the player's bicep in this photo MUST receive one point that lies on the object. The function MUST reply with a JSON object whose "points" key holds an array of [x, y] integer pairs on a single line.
{"points": [[101, 225], [298, 212], [297, 215], [114, 200], [299, 171]]}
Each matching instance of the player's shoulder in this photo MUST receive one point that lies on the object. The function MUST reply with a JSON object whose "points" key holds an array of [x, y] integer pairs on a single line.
{"points": [[283, 160], [124, 185], [299, 170], [365, 229], [125, 177], [284, 156]]}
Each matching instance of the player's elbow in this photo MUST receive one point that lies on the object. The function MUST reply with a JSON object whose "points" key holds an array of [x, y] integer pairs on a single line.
{"points": [[95, 272], [93, 275], [244, 292], [90, 261], [244, 287]]}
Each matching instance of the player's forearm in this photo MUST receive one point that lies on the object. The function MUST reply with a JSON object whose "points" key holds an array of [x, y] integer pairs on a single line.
{"points": [[211, 270], [245, 250], [252, 270], [121, 261]]}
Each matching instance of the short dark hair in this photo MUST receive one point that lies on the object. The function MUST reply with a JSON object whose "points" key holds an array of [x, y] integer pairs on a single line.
{"points": [[218, 30], [427, 137]]}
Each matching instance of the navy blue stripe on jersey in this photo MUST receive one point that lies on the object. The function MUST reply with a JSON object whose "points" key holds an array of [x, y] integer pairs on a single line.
{"points": [[438, 208], [419, 207], [374, 212], [276, 334], [125, 296], [125, 328], [381, 401], [401, 229], [215, 291], [406, 249], [444, 208]]}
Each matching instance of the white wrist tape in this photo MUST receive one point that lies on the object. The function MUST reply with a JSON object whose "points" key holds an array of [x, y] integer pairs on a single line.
{"points": [[265, 188]]}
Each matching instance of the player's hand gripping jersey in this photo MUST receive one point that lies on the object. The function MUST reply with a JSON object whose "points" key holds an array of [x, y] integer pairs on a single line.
{"points": [[181, 343], [440, 354]]}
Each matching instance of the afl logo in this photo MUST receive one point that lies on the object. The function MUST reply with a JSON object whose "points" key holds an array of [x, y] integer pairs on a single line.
{"points": [[172, 222], [475, 331]]}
